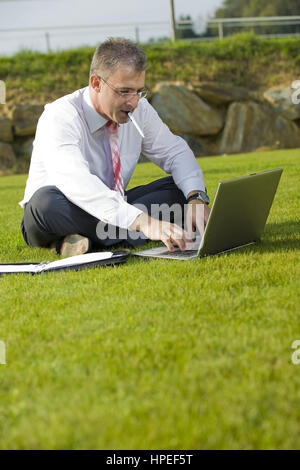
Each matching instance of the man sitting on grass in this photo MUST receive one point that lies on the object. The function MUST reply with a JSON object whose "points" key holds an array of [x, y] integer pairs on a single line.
{"points": [[85, 150]]}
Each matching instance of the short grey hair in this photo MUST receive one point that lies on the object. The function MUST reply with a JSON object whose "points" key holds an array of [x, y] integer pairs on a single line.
{"points": [[115, 52]]}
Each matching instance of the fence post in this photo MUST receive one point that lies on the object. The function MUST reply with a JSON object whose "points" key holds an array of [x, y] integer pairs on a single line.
{"points": [[48, 42], [220, 28], [137, 35], [172, 18]]}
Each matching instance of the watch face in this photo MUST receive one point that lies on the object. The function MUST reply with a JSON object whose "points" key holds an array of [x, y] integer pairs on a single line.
{"points": [[203, 197]]}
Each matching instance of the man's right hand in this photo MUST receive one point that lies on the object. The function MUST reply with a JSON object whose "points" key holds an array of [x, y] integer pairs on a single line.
{"points": [[155, 229]]}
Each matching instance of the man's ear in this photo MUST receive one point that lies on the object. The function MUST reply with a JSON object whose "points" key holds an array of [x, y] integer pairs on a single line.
{"points": [[95, 82]]}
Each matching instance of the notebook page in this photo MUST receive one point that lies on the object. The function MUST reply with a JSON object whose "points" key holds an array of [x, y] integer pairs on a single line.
{"points": [[19, 268], [79, 259]]}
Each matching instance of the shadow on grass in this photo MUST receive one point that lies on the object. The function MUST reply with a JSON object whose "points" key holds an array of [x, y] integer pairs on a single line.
{"points": [[277, 237], [280, 237]]}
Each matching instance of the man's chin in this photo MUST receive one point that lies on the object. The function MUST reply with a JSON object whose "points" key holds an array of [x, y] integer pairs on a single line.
{"points": [[123, 117]]}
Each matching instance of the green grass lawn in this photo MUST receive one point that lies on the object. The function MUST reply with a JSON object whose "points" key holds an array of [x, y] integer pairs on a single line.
{"points": [[156, 354]]}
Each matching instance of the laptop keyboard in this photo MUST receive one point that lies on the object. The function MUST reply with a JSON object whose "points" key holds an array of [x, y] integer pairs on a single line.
{"points": [[179, 254]]}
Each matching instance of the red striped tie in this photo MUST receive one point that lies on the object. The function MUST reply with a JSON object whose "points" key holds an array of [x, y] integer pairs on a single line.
{"points": [[112, 128]]}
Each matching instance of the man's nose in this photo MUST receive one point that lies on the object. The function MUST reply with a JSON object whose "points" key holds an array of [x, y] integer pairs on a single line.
{"points": [[133, 101]]}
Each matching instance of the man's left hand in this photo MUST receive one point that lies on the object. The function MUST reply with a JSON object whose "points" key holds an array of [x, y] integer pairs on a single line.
{"points": [[196, 217]]}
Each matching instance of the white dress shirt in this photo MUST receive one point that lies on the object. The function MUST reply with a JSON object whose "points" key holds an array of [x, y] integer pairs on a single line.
{"points": [[71, 151]]}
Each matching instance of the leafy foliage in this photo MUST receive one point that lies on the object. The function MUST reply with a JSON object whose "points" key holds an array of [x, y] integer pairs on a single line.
{"points": [[243, 59], [241, 8], [261, 8]]}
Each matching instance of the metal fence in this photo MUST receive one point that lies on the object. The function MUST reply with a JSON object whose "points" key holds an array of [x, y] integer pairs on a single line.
{"points": [[70, 36], [61, 37], [231, 25]]}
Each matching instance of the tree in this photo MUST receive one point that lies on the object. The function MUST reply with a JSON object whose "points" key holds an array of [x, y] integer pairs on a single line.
{"points": [[187, 31], [241, 8], [261, 8]]}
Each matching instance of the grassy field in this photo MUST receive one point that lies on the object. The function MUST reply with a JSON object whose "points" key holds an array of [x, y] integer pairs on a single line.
{"points": [[156, 354]]}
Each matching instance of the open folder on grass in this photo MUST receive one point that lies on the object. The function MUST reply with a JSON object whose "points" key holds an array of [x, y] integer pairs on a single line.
{"points": [[76, 263]]}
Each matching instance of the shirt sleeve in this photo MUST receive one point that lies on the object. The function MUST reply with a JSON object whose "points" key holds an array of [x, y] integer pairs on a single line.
{"points": [[69, 171], [171, 153]]}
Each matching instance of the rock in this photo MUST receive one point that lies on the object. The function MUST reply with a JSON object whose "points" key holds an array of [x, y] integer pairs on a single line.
{"points": [[185, 112], [221, 93], [202, 146], [25, 118], [282, 99], [7, 156], [23, 146], [6, 134], [252, 125]]}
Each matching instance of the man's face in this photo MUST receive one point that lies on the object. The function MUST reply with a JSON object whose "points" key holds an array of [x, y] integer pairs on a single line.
{"points": [[108, 102]]}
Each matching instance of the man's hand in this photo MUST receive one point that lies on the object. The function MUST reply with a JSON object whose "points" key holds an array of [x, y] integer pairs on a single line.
{"points": [[155, 229], [196, 218]]}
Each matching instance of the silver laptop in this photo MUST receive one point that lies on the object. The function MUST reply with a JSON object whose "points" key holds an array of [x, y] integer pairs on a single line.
{"points": [[238, 216]]}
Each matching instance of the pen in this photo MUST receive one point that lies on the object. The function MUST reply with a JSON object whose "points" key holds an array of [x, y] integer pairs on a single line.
{"points": [[135, 123]]}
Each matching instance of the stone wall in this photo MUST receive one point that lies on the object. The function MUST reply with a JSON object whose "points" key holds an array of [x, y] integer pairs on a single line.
{"points": [[17, 130], [217, 119], [214, 119]]}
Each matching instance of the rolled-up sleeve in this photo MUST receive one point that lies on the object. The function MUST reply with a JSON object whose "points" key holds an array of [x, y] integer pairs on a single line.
{"points": [[171, 153]]}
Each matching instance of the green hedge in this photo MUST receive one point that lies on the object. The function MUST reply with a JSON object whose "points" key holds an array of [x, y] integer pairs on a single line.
{"points": [[240, 59]]}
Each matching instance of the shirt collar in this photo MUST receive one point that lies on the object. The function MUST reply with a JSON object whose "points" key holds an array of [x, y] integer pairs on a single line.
{"points": [[95, 120]]}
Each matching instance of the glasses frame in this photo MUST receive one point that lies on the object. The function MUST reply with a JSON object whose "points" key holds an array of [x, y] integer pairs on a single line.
{"points": [[138, 94]]}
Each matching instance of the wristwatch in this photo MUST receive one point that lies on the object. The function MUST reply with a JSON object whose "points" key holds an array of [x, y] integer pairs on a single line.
{"points": [[201, 196]]}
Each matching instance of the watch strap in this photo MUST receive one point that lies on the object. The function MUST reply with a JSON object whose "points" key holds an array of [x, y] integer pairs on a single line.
{"points": [[199, 195]]}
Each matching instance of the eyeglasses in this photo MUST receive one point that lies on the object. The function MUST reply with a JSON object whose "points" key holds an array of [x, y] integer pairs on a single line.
{"points": [[139, 94]]}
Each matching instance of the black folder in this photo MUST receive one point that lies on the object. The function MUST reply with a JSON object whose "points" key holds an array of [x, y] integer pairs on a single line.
{"points": [[75, 263]]}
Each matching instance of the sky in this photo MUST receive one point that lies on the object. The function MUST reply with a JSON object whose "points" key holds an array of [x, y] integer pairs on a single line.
{"points": [[109, 14]]}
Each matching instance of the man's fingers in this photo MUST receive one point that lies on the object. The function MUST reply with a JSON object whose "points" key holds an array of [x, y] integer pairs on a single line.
{"points": [[189, 228], [168, 244], [200, 227], [173, 234], [206, 214], [176, 238], [180, 242], [170, 234], [189, 235], [199, 217]]}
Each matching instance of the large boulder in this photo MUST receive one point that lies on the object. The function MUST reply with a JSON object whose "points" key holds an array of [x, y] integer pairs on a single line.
{"points": [[252, 125], [282, 99], [6, 133], [7, 156], [23, 146], [185, 112], [203, 146], [222, 93], [25, 118]]}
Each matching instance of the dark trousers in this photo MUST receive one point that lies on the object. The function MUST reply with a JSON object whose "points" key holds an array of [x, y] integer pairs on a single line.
{"points": [[49, 216]]}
